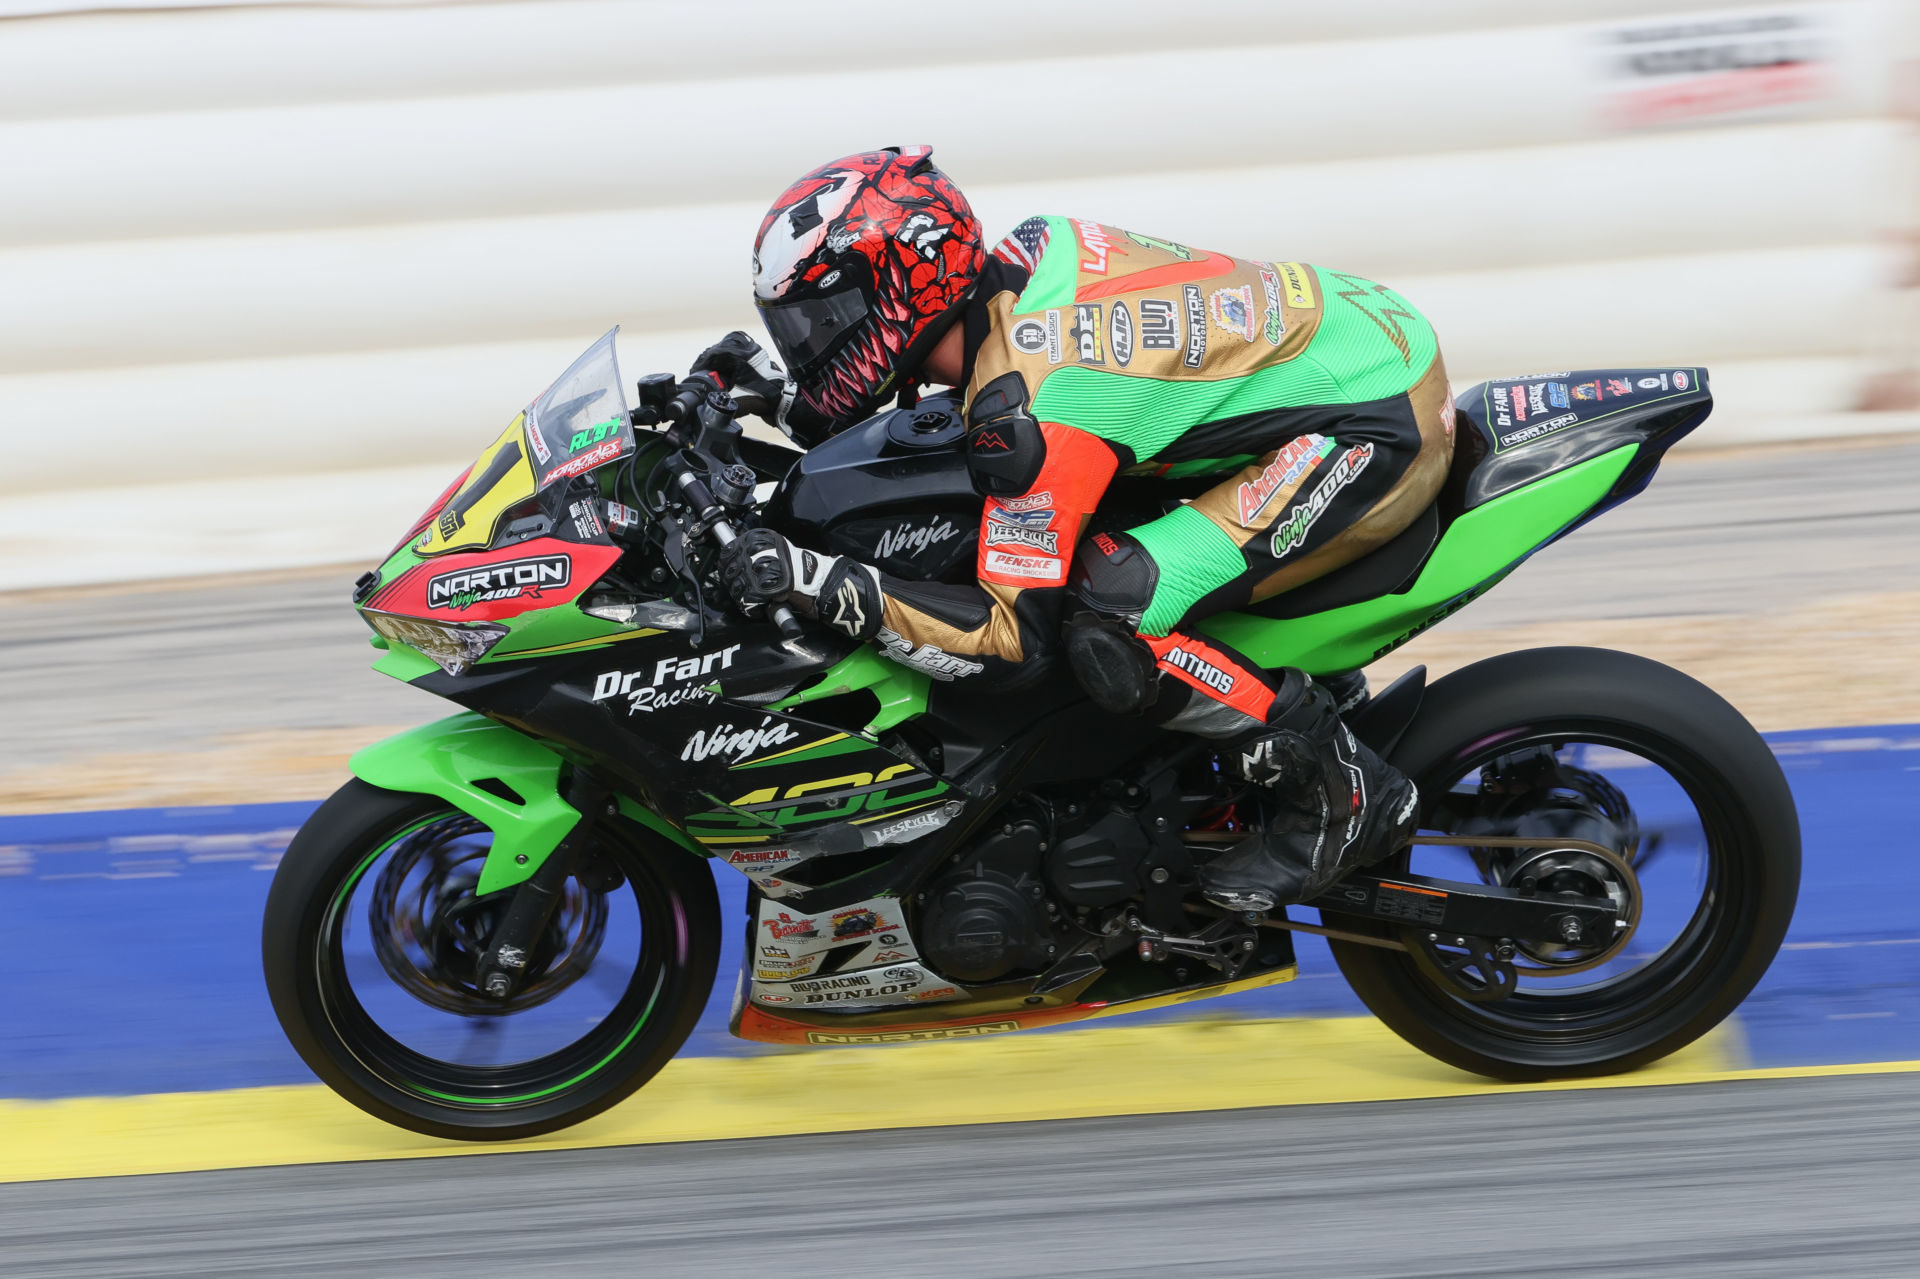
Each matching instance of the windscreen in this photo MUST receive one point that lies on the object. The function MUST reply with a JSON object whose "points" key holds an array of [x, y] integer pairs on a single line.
{"points": [[580, 422]]}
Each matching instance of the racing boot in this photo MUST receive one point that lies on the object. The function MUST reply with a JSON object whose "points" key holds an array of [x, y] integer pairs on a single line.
{"points": [[1339, 806]]}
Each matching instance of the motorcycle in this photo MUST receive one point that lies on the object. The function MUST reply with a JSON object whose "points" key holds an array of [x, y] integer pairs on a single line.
{"points": [[506, 922]]}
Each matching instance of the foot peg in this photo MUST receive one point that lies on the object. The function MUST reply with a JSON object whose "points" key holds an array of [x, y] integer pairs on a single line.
{"points": [[1226, 944]]}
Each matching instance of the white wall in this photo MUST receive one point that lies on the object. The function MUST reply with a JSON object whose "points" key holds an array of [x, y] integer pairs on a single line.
{"points": [[241, 245]]}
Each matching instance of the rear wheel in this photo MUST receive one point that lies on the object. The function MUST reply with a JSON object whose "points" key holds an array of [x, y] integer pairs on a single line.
{"points": [[370, 939], [1604, 746]]}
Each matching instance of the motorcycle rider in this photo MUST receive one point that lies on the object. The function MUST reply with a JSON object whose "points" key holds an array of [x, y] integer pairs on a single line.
{"points": [[1084, 351]]}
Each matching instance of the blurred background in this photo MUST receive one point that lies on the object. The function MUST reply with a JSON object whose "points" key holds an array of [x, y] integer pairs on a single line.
{"points": [[271, 274]]}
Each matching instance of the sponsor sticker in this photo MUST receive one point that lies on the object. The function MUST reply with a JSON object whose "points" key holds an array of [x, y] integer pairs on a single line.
{"points": [[1029, 336], [1232, 310], [1502, 412], [1054, 353], [1088, 342], [1680, 380], [1291, 533], [470, 586], [910, 1036], [1038, 567], [1619, 386], [1276, 319], [1120, 334], [760, 856], [1196, 325], [912, 539], [737, 745], [1653, 383], [1094, 246], [667, 683], [1159, 325], [1587, 391], [1293, 461], [585, 462], [1200, 668], [926, 658], [1557, 394], [1538, 429], [1296, 284]]}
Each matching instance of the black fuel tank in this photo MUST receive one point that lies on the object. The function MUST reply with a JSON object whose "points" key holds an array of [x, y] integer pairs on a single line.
{"points": [[893, 491]]}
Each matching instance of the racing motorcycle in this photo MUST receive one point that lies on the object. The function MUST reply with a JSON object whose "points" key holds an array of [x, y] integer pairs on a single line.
{"points": [[507, 921]]}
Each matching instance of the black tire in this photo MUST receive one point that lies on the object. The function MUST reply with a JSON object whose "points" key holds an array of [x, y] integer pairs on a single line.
{"points": [[1752, 837], [337, 1039]]}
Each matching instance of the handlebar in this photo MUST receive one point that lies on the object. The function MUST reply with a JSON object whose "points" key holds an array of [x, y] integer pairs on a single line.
{"points": [[702, 500]]}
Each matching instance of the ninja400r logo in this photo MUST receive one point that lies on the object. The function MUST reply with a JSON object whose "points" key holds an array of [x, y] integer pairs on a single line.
{"points": [[471, 586]]}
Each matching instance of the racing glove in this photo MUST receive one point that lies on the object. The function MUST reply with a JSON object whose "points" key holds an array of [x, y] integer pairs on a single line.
{"points": [[761, 567], [760, 388]]}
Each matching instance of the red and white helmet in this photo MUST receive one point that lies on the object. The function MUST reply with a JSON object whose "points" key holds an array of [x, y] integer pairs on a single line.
{"points": [[859, 268]]}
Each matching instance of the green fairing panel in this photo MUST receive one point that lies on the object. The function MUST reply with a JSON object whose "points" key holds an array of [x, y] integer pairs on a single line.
{"points": [[902, 691], [446, 758], [530, 634], [1479, 548]]}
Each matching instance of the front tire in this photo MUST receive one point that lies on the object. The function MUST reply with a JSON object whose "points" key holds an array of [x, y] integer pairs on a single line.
{"points": [[309, 978], [1752, 854]]}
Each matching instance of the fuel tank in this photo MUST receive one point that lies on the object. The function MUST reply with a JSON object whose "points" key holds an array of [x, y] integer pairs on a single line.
{"points": [[893, 491]]}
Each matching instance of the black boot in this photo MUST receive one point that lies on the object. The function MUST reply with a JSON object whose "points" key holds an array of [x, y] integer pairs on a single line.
{"points": [[1340, 806]]}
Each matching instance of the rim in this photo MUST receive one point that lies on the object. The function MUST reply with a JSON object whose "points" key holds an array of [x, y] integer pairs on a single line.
{"points": [[554, 1043], [1684, 842]]}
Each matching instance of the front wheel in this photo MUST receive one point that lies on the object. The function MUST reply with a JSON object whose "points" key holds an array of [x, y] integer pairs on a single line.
{"points": [[1619, 750], [370, 940]]}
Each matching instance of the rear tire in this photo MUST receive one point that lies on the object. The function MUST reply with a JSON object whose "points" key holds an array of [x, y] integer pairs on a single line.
{"points": [[334, 1036], [1745, 807]]}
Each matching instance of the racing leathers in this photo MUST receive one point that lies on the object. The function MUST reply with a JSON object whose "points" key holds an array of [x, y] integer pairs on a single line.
{"points": [[1317, 398]]}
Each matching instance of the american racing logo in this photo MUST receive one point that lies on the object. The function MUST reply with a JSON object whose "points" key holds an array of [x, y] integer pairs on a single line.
{"points": [[1159, 325], [498, 581], [1200, 668], [1086, 333], [1288, 465], [912, 539], [1292, 531], [761, 857], [736, 745], [1120, 333], [668, 685], [1196, 325]]}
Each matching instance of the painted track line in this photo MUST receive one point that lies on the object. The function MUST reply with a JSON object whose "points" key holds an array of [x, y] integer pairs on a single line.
{"points": [[1182, 1067]]}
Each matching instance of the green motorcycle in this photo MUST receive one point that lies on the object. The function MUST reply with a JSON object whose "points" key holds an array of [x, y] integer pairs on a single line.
{"points": [[506, 922]]}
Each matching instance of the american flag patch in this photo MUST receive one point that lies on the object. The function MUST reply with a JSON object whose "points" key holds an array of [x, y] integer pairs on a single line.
{"points": [[1024, 244]]}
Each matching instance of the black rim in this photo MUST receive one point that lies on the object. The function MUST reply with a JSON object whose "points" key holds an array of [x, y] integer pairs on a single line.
{"points": [[644, 999], [1566, 1019]]}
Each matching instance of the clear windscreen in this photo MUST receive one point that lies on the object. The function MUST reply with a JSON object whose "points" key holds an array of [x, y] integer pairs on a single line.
{"points": [[580, 423]]}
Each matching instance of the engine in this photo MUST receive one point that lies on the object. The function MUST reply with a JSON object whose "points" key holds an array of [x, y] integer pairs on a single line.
{"points": [[989, 916], [1027, 893]]}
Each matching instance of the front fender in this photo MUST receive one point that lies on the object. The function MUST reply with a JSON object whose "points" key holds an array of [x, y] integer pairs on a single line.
{"points": [[450, 758]]}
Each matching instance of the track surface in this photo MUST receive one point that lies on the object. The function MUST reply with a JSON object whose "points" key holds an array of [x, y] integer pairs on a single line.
{"points": [[173, 668], [1783, 1178]]}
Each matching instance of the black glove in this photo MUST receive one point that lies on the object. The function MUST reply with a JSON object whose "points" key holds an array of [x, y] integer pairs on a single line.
{"points": [[762, 567], [760, 388]]}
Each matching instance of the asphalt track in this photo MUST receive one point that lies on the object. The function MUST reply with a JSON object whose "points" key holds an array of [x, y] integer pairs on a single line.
{"points": [[1791, 1177]]}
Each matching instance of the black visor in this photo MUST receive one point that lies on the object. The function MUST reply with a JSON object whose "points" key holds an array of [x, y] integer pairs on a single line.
{"points": [[810, 330]]}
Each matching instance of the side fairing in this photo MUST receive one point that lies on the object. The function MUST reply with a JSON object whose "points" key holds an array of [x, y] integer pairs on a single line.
{"points": [[1479, 548]]}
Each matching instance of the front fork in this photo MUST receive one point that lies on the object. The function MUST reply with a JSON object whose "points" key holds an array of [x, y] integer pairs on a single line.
{"points": [[504, 963]]}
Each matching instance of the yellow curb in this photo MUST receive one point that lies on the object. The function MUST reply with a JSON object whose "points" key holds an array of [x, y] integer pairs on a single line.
{"points": [[1180, 1066]]}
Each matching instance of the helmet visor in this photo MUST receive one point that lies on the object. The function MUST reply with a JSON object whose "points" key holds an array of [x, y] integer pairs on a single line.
{"points": [[810, 330]]}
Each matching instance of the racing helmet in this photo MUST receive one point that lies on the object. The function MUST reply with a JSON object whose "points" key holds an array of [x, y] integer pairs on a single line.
{"points": [[859, 268]]}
